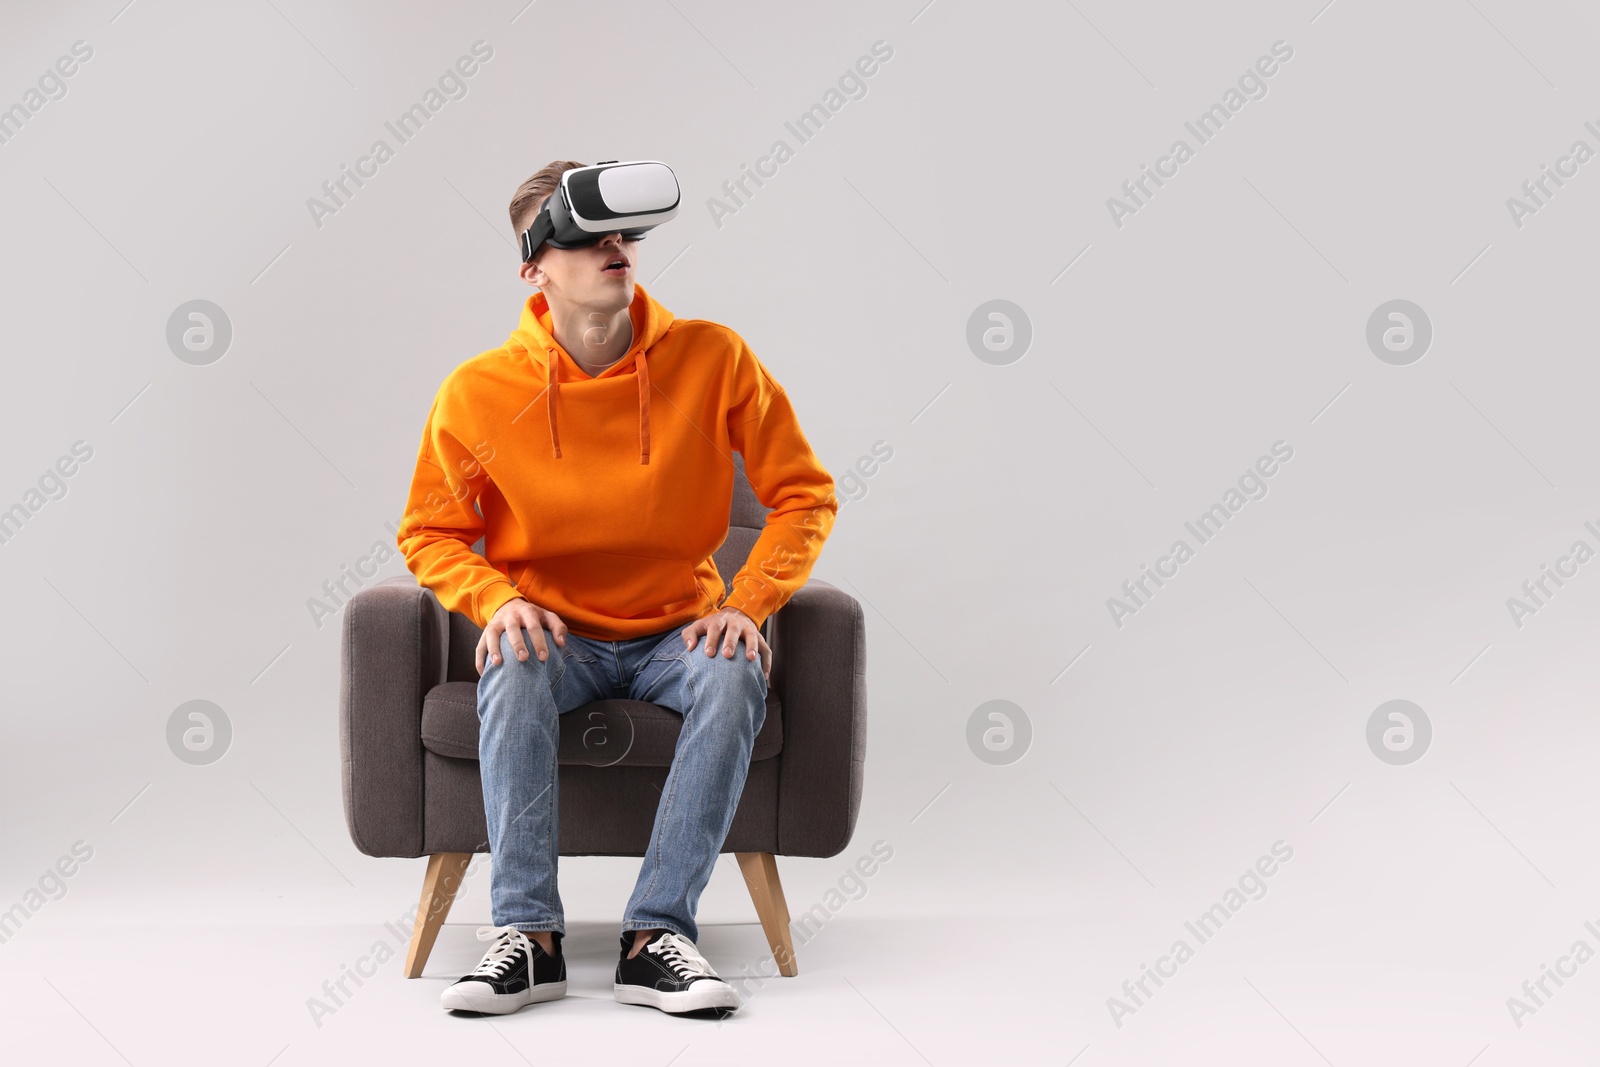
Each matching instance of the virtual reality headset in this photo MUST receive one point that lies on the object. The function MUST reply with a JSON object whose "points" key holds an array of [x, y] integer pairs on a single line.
{"points": [[609, 197]]}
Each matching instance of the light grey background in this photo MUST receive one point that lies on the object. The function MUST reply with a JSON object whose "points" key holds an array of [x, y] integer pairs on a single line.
{"points": [[1229, 313]]}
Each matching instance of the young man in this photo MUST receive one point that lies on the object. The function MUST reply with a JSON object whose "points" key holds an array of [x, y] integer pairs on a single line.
{"points": [[597, 443]]}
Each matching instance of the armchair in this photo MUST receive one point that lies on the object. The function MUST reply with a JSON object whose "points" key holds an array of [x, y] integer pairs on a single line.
{"points": [[408, 733]]}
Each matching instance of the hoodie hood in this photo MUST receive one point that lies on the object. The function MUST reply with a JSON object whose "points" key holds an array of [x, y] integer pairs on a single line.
{"points": [[535, 336]]}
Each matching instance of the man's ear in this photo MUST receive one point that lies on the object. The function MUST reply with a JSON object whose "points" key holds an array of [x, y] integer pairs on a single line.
{"points": [[533, 274]]}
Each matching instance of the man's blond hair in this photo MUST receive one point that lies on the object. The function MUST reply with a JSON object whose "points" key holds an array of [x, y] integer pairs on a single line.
{"points": [[531, 193]]}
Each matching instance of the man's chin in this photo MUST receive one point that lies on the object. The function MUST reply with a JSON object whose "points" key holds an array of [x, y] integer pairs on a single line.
{"points": [[618, 289]]}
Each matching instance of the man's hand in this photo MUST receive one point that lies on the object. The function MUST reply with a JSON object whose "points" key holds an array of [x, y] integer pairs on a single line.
{"points": [[512, 618], [728, 625]]}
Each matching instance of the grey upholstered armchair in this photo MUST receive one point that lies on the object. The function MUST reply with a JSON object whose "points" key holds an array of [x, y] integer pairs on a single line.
{"points": [[408, 731]]}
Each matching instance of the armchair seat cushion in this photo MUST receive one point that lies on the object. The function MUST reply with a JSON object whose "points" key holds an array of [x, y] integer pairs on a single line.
{"points": [[605, 733]]}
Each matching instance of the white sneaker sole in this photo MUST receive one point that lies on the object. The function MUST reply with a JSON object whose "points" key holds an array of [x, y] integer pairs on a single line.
{"points": [[698, 997], [455, 999]]}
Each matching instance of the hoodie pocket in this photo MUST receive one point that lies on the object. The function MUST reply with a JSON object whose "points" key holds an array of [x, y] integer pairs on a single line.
{"points": [[611, 584]]}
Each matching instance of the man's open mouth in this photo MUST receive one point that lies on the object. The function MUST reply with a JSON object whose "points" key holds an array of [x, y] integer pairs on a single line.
{"points": [[620, 263]]}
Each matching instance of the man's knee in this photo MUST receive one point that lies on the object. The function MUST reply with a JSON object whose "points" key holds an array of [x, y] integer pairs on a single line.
{"points": [[511, 675], [740, 686]]}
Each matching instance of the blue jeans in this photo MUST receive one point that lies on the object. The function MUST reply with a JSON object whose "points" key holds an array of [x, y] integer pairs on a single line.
{"points": [[723, 703]]}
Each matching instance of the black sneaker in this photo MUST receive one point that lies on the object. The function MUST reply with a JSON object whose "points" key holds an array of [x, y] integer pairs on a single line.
{"points": [[670, 974], [515, 971]]}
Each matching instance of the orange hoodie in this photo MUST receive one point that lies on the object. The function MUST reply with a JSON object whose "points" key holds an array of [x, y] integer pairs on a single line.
{"points": [[597, 501]]}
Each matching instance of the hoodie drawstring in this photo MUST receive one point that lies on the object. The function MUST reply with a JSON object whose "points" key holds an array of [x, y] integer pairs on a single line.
{"points": [[551, 370], [642, 372]]}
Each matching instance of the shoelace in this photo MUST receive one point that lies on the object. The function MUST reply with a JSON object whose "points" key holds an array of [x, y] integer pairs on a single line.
{"points": [[679, 953], [510, 942]]}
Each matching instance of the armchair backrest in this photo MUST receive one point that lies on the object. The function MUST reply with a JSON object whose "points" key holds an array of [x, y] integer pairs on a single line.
{"points": [[746, 519]]}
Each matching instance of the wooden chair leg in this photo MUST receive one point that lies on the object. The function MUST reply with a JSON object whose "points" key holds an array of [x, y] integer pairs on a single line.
{"points": [[760, 871], [439, 885]]}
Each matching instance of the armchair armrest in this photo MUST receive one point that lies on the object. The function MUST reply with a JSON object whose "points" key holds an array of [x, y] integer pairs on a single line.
{"points": [[394, 637], [819, 667]]}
